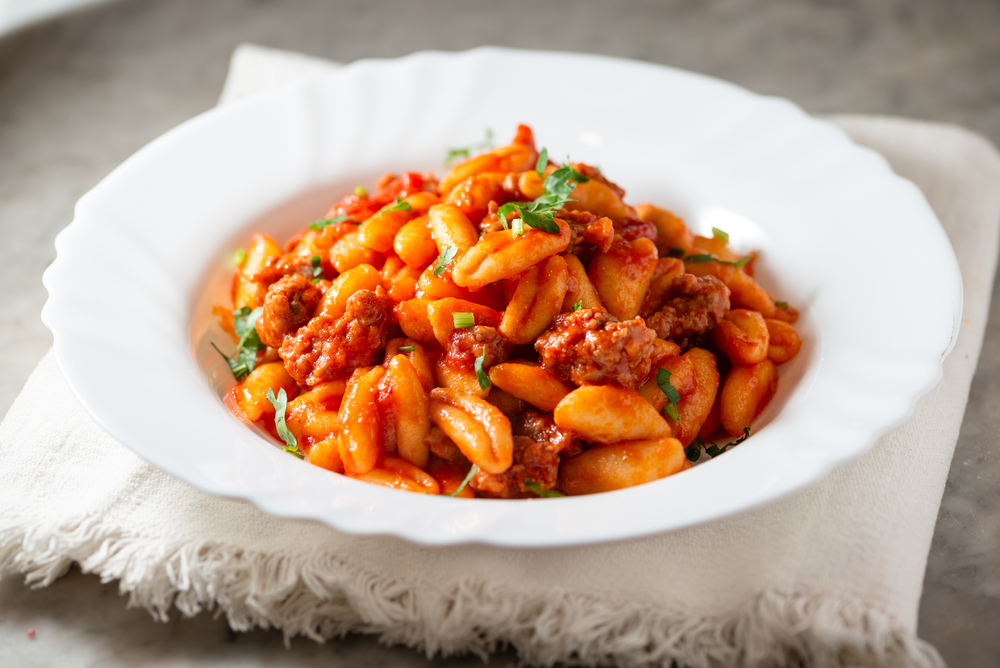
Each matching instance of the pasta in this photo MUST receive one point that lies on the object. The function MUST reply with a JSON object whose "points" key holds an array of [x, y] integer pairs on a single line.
{"points": [[513, 330]]}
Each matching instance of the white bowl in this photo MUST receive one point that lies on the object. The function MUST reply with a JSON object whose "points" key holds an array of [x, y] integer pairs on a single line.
{"points": [[854, 247]]}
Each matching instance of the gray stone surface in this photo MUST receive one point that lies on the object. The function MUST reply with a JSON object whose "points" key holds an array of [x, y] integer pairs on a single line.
{"points": [[79, 95]]}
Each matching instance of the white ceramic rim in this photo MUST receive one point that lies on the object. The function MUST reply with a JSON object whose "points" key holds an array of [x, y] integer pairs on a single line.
{"points": [[842, 237]]}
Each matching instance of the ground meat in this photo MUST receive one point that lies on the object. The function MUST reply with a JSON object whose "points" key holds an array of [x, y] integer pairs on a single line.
{"points": [[540, 426], [591, 347], [329, 348], [442, 446], [288, 305], [537, 462], [633, 228], [284, 265], [468, 343], [694, 305], [589, 233]]}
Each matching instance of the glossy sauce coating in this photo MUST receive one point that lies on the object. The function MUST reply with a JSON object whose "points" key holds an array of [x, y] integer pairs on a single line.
{"points": [[427, 341]]}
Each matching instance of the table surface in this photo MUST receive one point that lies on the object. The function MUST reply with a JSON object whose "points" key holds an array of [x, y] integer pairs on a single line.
{"points": [[80, 94]]}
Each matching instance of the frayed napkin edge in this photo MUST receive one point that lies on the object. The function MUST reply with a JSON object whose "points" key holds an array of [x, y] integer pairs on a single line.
{"points": [[320, 597]]}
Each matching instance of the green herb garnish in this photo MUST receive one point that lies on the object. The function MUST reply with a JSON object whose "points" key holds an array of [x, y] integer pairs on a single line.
{"points": [[673, 396], [543, 162], [359, 191], [239, 257], [463, 320], [537, 490], [782, 305], [484, 380], [407, 349], [719, 234], [472, 472], [539, 213], [708, 257], [400, 205], [447, 255], [280, 403], [466, 152], [693, 451], [675, 252], [317, 266], [320, 224], [245, 358], [577, 306], [714, 450]]}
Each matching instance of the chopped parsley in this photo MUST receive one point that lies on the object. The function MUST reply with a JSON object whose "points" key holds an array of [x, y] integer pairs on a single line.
{"points": [[280, 403], [539, 213], [245, 358], [715, 450], [708, 257], [484, 380], [719, 234], [463, 320], [745, 436], [400, 205], [675, 252], [673, 396], [325, 222], [537, 490], [359, 191], [693, 451], [543, 162], [466, 151], [317, 267], [577, 306], [239, 257], [447, 255], [782, 305], [472, 472], [407, 349]]}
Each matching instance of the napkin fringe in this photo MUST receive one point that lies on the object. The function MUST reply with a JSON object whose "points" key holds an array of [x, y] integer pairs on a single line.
{"points": [[319, 597]]}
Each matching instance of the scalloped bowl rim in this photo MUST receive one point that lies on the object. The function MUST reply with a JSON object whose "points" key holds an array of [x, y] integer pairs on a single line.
{"points": [[705, 147]]}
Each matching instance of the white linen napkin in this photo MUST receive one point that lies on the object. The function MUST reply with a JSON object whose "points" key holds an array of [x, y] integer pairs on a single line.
{"points": [[830, 576]]}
